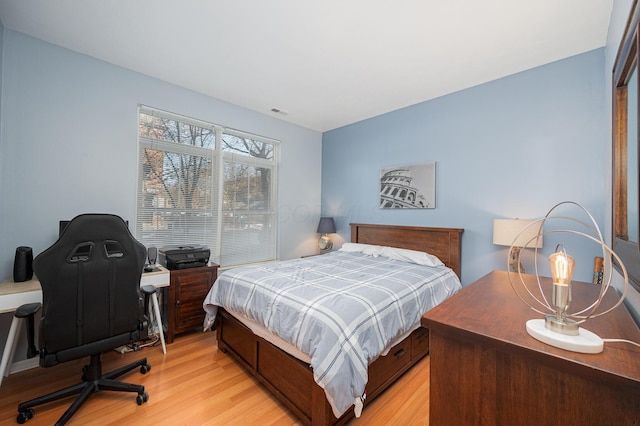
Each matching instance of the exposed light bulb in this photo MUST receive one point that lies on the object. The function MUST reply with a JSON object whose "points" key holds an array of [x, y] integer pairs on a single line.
{"points": [[562, 266]]}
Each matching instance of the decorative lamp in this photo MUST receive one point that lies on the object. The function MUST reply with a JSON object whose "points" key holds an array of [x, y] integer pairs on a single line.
{"points": [[560, 328], [325, 227], [517, 234]]}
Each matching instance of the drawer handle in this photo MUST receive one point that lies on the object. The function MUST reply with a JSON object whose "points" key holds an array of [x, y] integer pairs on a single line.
{"points": [[400, 353]]}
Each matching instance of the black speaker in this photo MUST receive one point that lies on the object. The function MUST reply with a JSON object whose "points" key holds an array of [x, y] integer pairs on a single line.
{"points": [[23, 264], [152, 253]]}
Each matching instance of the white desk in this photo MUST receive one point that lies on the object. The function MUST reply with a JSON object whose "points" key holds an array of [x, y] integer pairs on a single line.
{"points": [[13, 295], [160, 277]]}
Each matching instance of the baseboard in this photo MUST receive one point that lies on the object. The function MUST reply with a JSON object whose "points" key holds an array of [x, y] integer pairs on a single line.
{"points": [[24, 364]]}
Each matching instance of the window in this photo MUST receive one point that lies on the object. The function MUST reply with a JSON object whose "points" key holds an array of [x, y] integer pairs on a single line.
{"points": [[202, 184]]}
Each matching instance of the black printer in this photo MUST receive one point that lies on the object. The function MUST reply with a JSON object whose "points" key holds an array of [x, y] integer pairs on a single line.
{"points": [[184, 257]]}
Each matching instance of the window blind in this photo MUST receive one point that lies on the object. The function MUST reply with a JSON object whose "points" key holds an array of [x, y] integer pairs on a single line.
{"points": [[200, 184]]}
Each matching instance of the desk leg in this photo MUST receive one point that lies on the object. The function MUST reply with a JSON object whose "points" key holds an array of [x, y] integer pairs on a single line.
{"points": [[9, 348], [156, 310]]}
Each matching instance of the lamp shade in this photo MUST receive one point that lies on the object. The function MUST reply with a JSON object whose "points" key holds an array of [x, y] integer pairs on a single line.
{"points": [[326, 226], [505, 232]]}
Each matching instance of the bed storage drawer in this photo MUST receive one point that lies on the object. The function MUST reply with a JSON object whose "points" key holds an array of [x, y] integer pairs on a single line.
{"points": [[287, 377], [419, 343], [234, 336], [291, 380], [386, 368]]}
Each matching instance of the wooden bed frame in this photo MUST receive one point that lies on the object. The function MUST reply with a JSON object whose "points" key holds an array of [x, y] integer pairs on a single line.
{"points": [[291, 380]]}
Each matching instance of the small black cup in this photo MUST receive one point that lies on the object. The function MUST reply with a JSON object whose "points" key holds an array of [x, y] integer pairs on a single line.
{"points": [[23, 264]]}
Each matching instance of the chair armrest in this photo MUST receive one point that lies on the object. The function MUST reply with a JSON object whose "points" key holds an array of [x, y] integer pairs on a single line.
{"points": [[148, 290], [28, 311]]}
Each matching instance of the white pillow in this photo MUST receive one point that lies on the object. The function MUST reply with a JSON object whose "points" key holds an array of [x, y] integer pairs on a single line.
{"points": [[412, 256], [370, 249]]}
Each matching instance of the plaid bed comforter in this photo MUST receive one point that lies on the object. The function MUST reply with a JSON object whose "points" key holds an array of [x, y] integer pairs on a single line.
{"points": [[341, 309]]}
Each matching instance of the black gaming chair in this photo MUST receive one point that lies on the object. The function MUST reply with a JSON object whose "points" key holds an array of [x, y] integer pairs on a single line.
{"points": [[91, 303]]}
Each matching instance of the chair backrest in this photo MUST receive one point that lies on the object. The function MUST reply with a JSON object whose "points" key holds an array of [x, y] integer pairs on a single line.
{"points": [[90, 282]]}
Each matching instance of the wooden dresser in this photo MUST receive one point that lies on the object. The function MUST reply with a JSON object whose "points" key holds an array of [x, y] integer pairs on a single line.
{"points": [[486, 369]]}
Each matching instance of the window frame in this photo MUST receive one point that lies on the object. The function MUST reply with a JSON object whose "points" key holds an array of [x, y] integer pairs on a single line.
{"points": [[626, 64], [219, 158]]}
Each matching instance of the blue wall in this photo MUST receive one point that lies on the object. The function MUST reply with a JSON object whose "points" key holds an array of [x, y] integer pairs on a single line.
{"points": [[510, 148], [69, 145]]}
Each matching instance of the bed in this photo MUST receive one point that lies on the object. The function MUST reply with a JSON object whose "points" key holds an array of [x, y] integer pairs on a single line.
{"points": [[285, 368]]}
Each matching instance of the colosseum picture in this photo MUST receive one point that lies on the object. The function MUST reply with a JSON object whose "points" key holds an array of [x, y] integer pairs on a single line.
{"points": [[408, 187]]}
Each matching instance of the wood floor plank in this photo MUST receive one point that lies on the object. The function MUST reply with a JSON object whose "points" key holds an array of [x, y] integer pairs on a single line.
{"points": [[194, 384]]}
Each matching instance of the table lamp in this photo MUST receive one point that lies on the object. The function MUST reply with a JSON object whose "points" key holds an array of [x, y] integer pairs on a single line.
{"points": [[517, 234], [325, 227], [560, 328]]}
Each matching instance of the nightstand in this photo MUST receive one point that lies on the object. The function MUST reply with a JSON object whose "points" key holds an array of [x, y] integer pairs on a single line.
{"points": [[316, 254], [188, 289]]}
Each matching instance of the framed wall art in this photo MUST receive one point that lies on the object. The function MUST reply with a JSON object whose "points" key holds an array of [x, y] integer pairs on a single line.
{"points": [[408, 187]]}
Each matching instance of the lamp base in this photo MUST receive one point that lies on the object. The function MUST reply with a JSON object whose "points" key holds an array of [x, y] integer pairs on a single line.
{"points": [[562, 326], [585, 342], [514, 260], [325, 243]]}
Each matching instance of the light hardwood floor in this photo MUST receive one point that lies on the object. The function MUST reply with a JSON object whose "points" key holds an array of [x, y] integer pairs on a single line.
{"points": [[194, 384]]}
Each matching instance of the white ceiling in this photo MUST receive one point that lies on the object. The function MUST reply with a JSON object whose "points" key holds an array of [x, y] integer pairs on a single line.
{"points": [[324, 63]]}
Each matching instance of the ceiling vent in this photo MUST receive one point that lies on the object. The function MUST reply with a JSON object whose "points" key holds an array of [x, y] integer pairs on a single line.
{"points": [[279, 111]]}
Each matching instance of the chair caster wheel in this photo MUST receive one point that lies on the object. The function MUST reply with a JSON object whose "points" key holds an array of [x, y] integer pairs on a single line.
{"points": [[144, 369], [142, 398], [25, 415]]}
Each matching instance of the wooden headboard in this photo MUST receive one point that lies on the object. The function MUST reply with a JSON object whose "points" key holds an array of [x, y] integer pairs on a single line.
{"points": [[445, 243]]}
